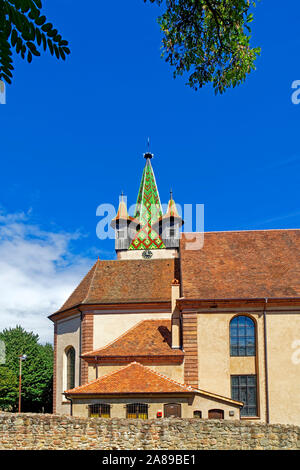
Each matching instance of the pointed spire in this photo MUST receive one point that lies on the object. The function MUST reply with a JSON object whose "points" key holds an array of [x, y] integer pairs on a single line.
{"points": [[122, 213], [172, 211], [148, 211]]}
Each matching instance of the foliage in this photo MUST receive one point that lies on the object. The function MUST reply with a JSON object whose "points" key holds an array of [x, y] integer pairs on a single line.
{"points": [[209, 40], [8, 389], [25, 29], [37, 370]]}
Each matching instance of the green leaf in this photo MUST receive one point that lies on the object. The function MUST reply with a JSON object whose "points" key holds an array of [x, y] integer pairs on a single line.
{"points": [[26, 29], [14, 37], [56, 50], [50, 45], [41, 20], [47, 27]]}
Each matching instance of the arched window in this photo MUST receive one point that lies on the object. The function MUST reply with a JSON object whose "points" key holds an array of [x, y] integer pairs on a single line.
{"points": [[70, 355], [242, 336]]}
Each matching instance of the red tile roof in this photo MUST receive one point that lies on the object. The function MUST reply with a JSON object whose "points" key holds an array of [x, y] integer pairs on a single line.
{"points": [[136, 378], [125, 281], [147, 338], [133, 378], [249, 264]]}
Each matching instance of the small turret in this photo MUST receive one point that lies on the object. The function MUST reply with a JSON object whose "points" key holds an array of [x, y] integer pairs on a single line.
{"points": [[169, 225], [124, 226]]}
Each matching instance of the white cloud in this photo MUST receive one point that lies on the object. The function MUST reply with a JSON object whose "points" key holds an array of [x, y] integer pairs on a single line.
{"points": [[38, 272]]}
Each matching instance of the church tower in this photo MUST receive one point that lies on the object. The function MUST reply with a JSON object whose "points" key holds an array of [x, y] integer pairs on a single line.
{"points": [[149, 233]]}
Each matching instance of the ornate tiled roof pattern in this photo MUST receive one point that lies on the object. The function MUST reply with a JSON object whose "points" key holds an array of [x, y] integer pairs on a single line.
{"points": [[147, 338], [245, 264], [133, 378], [148, 211], [125, 281]]}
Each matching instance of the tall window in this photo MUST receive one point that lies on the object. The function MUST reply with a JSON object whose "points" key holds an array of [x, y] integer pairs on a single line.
{"points": [[242, 336], [99, 410], [137, 410], [243, 388], [70, 368]]}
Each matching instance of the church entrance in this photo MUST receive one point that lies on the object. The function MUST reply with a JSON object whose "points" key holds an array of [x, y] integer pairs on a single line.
{"points": [[172, 410]]}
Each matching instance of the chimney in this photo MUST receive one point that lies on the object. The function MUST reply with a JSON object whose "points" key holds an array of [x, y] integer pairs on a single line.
{"points": [[176, 334]]}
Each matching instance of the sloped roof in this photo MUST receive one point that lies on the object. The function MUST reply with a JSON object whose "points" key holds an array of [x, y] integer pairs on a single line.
{"points": [[245, 264], [133, 378], [125, 281], [136, 378], [147, 338]]}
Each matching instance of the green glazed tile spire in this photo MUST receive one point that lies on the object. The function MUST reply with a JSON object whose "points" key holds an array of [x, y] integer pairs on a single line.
{"points": [[148, 211]]}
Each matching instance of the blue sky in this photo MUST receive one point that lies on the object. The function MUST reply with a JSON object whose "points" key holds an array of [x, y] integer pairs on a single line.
{"points": [[73, 134]]}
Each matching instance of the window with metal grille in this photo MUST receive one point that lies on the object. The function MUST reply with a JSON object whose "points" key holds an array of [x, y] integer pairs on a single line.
{"points": [[99, 410], [242, 336], [137, 410], [70, 368], [244, 388]]}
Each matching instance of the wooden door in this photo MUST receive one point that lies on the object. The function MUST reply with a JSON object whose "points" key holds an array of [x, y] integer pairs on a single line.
{"points": [[216, 414], [173, 410]]}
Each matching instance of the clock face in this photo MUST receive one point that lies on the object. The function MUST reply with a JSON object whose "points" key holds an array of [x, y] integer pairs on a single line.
{"points": [[147, 254]]}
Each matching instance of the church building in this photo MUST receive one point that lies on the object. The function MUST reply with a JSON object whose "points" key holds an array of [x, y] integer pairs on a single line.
{"points": [[192, 325]]}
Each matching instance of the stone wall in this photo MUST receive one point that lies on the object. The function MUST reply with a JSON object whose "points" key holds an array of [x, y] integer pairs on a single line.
{"points": [[37, 431]]}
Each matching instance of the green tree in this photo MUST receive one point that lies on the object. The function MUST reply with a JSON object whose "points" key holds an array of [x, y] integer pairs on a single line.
{"points": [[209, 40], [8, 389], [24, 29], [37, 370]]}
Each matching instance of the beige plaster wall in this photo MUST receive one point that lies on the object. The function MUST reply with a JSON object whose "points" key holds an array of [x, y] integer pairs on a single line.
{"points": [[188, 405], [283, 344], [68, 334], [109, 326], [214, 362], [284, 367]]}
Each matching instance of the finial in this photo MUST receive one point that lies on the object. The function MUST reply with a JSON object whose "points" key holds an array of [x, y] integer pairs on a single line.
{"points": [[171, 194], [148, 154], [122, 194]]}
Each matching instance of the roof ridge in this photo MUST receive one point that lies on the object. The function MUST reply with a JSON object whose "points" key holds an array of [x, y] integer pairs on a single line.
{"points": [[92, 280], [205, 392], [126, 332]]}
